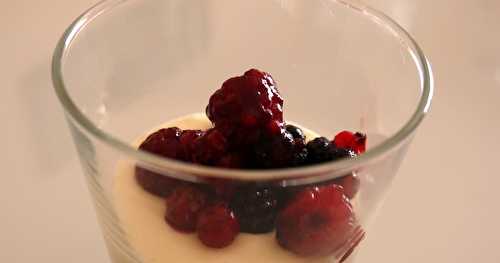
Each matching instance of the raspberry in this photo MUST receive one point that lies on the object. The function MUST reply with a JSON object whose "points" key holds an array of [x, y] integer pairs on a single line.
{"points": [[164, 142], [223, 188], [350, 183], [247, 107], [231, 160], [154, 183], [355, 141], [187, 139], [256, 208], [278, 152], [217, 226], [209, 148], [183, 207], [317, 222]]}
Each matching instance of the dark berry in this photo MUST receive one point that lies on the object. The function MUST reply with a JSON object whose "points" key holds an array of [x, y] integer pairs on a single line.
{"points": [[217, 226], [350, 183], [164, 142], [319, 150], [256, 208], [209, 148], [355, 141], [300, 157], [183, 207], [277, 152], [187, 139], [247, 107], [231, 160], [297, 133], [317, 222]]}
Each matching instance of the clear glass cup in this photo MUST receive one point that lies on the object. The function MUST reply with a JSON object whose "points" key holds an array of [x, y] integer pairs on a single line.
{"points": [[124, 67]]}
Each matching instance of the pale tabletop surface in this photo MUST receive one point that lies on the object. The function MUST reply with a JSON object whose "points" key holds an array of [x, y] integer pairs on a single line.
{"points": [[443, 207]]}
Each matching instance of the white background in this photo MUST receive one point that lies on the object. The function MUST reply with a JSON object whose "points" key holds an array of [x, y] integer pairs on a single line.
{"points": [[443, 207]]}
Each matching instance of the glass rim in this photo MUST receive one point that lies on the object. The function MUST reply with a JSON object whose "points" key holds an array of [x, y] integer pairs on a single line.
{"points": [[406, 40]]}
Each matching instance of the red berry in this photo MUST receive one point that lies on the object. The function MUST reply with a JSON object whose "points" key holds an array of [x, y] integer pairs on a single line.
{"points": [[164, 142], [223, 188], [317, 222], [355, 141], [350, 183], [157, 184], [187, 139], [217, 226], [209, 148], [247, 107], [184, 206], [231, 160]]}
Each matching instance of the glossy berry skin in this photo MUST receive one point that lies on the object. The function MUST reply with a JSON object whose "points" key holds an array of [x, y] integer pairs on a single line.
{"points": [[256, 208], [247, 107], [278, 152], [209, 148], [355, 141], [319, 150], [319, 221], [187, 139], [217, 226], [184, 206], [297, 133], [164, 142]]}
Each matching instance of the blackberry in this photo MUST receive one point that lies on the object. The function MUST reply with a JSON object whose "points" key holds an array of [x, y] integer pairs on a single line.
{"points": [[296, 132], [256, 208], [319, 150]]}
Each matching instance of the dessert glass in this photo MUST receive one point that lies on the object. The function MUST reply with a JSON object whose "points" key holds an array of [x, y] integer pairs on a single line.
{"points": [[126, 66]]}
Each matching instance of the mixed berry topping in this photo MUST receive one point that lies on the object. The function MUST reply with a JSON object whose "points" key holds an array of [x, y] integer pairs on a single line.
{"points": [[278, 151], [249, 132]]}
